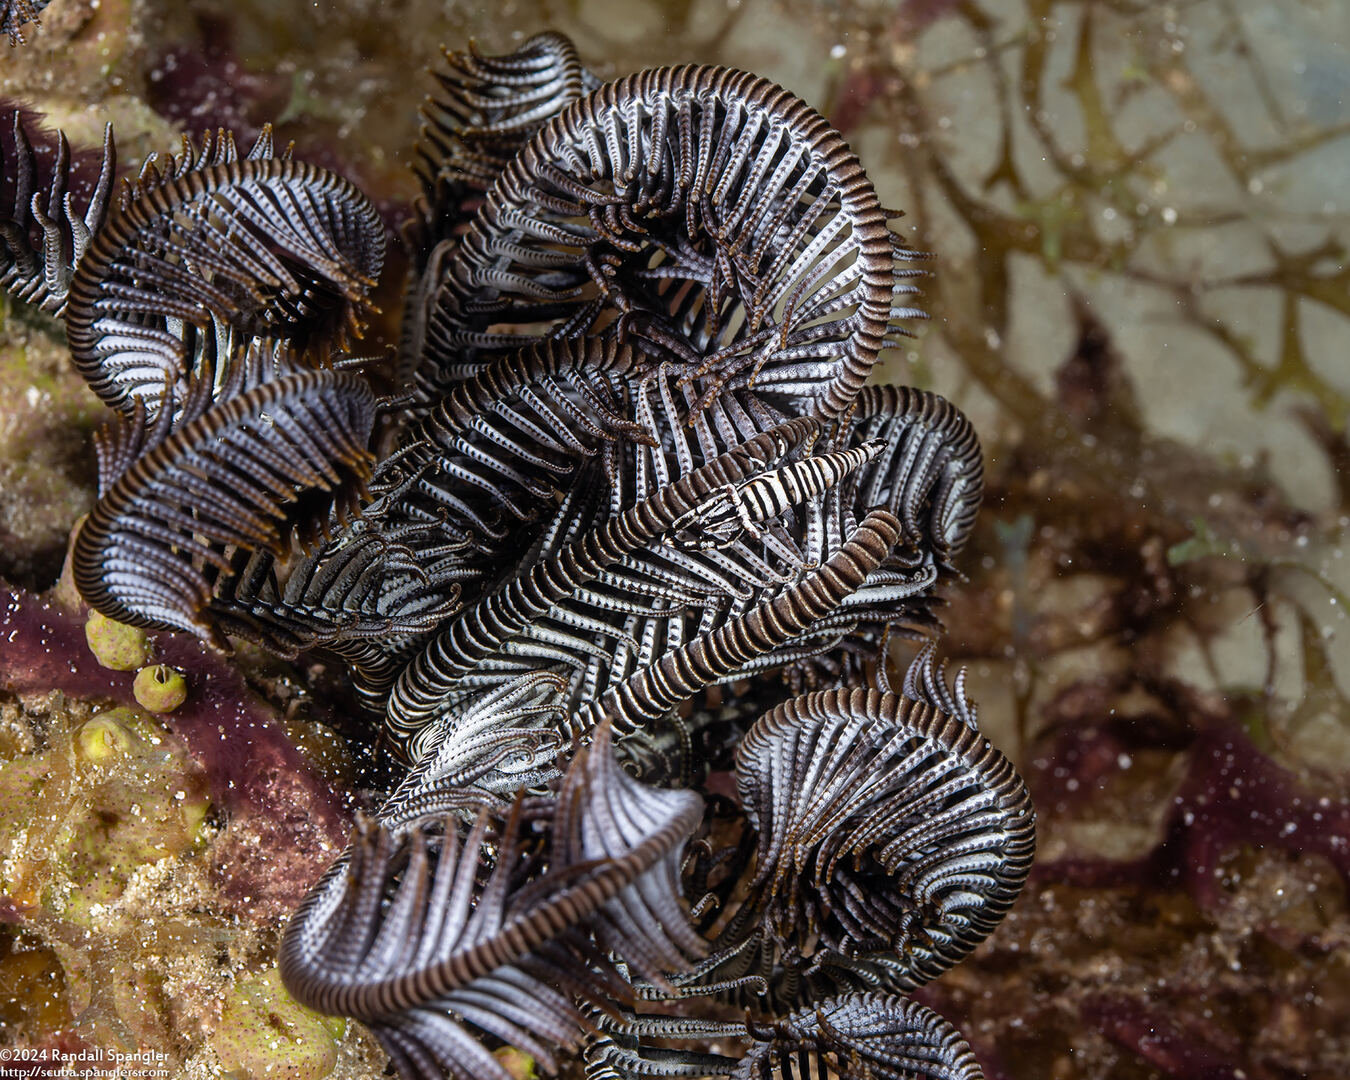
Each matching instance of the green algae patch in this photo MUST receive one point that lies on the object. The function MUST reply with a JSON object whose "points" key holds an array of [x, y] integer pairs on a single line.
{"points": [[47, 414], [517, 1063], [32, 986], [146, 802], [264, 1033], [80, 820], [21, 786]]}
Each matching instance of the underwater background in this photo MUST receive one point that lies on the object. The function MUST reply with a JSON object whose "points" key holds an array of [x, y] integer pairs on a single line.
{"points": [[1138, 214]]}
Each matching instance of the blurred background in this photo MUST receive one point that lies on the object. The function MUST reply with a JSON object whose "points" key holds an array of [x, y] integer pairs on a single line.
{"points": [[1138, 214]]}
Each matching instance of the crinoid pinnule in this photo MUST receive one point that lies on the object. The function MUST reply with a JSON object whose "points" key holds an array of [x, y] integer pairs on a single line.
{"points": [[47, 216], [15, 14]]}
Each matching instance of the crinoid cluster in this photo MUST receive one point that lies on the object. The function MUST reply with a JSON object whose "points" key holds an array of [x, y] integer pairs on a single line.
{"points": [[619, 580]]}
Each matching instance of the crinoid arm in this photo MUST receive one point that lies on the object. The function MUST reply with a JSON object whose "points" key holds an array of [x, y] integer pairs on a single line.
{"points": [[892, 836], [859, 1036], [202, 302], [723, 222], [445, 935], [211, 253], [241, 477]]}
